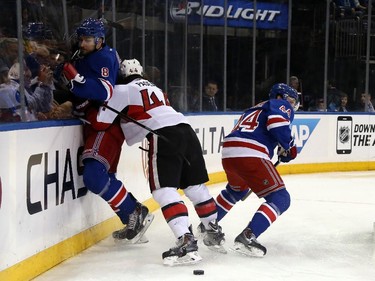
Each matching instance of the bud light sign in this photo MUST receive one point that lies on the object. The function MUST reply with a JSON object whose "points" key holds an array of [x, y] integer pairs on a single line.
{"points": [[238, 13]]}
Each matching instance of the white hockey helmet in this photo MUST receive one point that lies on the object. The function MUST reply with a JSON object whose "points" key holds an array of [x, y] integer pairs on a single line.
{"points": [[131, 67]]}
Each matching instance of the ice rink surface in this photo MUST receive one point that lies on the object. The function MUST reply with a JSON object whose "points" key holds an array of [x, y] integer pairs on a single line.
{"points": [[327, 234]]}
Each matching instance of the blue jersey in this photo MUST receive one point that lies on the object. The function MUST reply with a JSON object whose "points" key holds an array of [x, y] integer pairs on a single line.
{"points": [[259, 130], [100, 69]]}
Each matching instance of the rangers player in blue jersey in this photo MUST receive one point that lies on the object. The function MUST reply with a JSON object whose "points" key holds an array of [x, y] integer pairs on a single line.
{"points": [[246, 158], [91, 78]]}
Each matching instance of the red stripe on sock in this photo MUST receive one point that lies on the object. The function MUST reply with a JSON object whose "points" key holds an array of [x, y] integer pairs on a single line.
{"points": [[176, 210], [223, 203], [268, 211], [119, 197], [206, 209]]}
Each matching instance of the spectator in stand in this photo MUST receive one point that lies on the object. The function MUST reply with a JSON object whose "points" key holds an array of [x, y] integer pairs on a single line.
{"points": [[209, 99], [4, 69], [41, 85], [7, 109], [365, 104], [38, 96], [333, 96], [350, 8], [343, 103], [319, 106], [38, 89], [295, 84], [13, 91]]}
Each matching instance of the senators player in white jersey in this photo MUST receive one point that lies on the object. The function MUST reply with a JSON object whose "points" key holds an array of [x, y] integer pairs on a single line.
{"points": [[175, 160]]}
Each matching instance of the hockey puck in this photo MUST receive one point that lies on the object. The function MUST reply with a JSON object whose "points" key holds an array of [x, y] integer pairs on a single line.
{"points": [[198, 272]]}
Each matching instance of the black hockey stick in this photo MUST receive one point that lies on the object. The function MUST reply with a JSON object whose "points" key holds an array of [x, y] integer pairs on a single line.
{"points": [[128, 118], [131, 119]]}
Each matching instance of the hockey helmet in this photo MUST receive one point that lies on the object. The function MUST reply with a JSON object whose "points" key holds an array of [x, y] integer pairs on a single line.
{"points": [[285, 92], [91, 27], [37, 31], [131, 67]]}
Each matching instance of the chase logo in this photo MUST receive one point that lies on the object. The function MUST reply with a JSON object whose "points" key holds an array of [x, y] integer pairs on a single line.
{"points": [[302, 130]]}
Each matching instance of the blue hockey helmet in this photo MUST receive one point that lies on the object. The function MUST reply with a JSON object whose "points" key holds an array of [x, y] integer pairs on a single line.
{"points": [[91, 27], [285, 92], [37, 31]]}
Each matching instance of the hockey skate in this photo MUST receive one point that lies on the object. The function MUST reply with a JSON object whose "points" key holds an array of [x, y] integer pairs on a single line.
{"points": [[247, 244], [133, 232], [186, 252], [213, 237]]}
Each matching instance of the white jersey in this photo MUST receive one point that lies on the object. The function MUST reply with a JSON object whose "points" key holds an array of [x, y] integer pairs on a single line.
{"points": [[145, 103]]}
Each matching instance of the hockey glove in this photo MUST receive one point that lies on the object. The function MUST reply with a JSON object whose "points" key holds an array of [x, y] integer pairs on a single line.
{"points": [[289, 154], [70, 75]]}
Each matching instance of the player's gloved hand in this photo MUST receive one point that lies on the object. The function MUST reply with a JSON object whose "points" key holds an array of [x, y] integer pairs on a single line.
{"points": [[80, 105], [71, 75], [289, 154]]}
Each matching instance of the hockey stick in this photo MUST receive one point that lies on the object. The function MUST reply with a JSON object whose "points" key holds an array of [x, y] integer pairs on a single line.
{"points": [[250, 191], [101, 16], [131, 119], [128, 118]]}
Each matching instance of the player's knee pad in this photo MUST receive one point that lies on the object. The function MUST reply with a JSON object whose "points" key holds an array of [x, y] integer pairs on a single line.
{"points": [[279, 200], [197, 193], [234, 195], [166, 195], [95, 176]]}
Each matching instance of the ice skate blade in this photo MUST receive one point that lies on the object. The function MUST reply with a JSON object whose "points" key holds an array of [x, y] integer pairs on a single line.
{"points": [[219, 249], [189, 258], [125, 241], [138, 238], [247, 251]]}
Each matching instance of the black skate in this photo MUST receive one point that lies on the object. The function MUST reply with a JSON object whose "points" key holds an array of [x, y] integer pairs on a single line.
{"points": [[134, 231], [186, 252], [213, 237], [247, 244]]}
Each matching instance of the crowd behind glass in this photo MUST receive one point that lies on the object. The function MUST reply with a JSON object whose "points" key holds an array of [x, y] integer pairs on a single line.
{"points": [[172, 53]]}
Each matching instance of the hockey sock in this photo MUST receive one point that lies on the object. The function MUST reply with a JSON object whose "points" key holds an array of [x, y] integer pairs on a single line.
{"points": [[176, 215], [174, 210], [276, 203], [204, 204], [206, 211], [262, 219], [120, 200], [227, 199]]}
